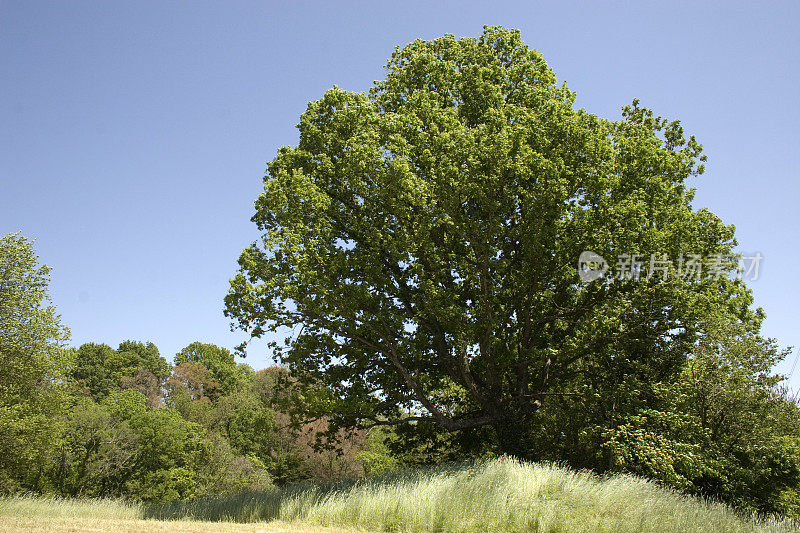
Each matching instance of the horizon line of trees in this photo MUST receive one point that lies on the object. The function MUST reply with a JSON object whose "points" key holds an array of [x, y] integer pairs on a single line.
{"points": [[126, 423], [95, 421]]}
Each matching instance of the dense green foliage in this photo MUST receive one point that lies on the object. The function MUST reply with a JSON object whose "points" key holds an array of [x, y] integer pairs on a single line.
{"points": [[102, 422], [220, 363], [422, 243], [101, 369], [32, 361], [721, 428], [189, 440], [426, 236]]}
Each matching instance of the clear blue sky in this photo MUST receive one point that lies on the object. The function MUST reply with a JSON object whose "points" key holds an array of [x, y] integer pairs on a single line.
{"points": [[135, 135]]}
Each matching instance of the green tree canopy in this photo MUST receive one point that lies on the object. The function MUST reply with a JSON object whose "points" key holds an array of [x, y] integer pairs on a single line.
{"points": [[141, 355], [422, 243], [92, 369], [220, 362], [32, 358], [103, 370]]}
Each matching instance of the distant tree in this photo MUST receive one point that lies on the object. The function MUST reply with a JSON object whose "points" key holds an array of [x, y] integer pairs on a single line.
{"points": [[248, 424], [93, 369], [194, 381], [275, 389], [421, 242], [300, 446], [103, 370], [33, 360], [220, 362], [377, 459], [147, 383], [723, 428], [749, 427], [139, 355], [328, 457], [224, 471]]}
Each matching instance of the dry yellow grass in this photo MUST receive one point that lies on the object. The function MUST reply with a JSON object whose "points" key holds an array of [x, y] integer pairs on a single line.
{"points": [[19, 524]]}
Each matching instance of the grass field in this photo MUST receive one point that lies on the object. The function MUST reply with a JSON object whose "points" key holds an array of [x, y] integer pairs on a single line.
{"points": [[39, 514], [500, 495]]}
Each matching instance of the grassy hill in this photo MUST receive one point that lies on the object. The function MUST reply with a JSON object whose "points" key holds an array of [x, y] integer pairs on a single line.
{"points": [[500, 495]]}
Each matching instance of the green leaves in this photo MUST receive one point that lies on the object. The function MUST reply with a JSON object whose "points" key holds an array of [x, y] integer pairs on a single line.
{"points": [[103, 370], [421, 241], [33, 359], [220, 362], [31, 335]]}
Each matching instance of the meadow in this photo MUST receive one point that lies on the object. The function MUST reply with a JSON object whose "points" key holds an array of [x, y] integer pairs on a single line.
{"points": [[501, 495]]}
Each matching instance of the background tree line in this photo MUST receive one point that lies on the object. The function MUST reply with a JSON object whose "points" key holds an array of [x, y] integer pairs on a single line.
{"points": [[97, 421]]}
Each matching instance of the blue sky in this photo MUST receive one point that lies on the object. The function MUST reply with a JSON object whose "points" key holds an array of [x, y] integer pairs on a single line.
{"points": [[134, 136]]}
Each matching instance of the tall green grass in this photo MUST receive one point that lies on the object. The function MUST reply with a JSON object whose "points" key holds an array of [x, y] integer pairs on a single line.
{"points": [[501, 495]]}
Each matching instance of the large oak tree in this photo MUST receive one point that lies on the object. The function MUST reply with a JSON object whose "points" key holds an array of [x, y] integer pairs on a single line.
{"points": [[421, 241]]}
